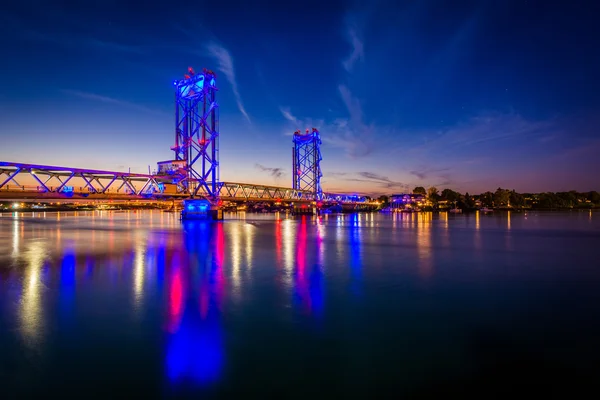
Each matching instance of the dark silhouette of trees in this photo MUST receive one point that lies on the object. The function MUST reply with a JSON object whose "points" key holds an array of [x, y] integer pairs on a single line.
{"points": [[420, 190]]}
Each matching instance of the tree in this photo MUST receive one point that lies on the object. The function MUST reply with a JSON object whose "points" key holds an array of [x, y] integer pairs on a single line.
{"points": [[594, 197], [516, 199], [469, 202], [501, 197], [432, 194], [487, 199], [385, 201], [420, 190], [450, 195]]}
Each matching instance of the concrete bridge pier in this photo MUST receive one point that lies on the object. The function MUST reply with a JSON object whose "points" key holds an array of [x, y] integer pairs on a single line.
{"points": [[305, 209]]}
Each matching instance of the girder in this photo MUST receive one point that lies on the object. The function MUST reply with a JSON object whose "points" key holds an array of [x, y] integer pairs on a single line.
{"points": [[306, 163], [52, 179], [197, 133], [47, 181]]}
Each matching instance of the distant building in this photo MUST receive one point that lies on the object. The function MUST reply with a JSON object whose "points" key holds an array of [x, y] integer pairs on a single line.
{"points": [[402, 201]]}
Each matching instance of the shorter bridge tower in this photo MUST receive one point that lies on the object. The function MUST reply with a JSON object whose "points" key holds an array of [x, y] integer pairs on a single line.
{"points": [[306, 169], [197, 134]]}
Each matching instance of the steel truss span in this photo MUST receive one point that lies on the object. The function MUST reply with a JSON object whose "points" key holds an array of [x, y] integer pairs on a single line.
{"points": [[62, 182], [246, 191], [197, 132]]}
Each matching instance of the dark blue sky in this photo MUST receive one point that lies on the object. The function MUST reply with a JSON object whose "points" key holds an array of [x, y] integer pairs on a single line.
{"points": [[470, 95]]}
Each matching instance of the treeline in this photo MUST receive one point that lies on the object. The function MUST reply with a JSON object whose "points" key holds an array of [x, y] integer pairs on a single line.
{"points": [[505, 198]]}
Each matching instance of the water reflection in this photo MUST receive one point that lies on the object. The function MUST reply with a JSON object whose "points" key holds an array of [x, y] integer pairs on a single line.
{"points": [[423, 221], [317, 279], [195, 349], [355, 241], [67, 284], [30, 312], [302, 295], [249, 232], [288, 251], [477, 233], [236, 257], [197, 293], [15, 236], [308, 282], [508, 236], [139, 274]]}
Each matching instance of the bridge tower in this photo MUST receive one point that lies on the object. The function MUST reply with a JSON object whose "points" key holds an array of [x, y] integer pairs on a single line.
{"points": [[307, 162], [197, 133]]}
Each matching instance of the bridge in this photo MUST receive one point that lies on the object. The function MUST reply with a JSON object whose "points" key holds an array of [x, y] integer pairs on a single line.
{"points": [[55, 183], [194, 172]]}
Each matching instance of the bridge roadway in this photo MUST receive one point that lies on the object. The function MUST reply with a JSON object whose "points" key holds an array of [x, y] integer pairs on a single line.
{"points": [[52, 184]]}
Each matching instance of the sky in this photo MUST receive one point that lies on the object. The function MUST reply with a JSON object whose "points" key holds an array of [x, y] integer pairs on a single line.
{"points": [[467, 95]]}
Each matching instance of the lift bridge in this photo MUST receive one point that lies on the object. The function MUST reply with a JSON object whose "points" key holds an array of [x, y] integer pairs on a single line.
{"points": [[193, 173]]}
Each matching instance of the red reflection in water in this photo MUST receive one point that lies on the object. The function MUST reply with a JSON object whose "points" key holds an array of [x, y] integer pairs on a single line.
{"points": [[278, 242], [176, 295], [302, 284], [219, 275], [195, 348]]}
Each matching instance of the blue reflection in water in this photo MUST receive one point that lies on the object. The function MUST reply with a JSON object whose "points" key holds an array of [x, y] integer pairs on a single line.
{"points": [[89, 267], [355, 256], [308, 283], [67, 284], [67, 271], [160, 264], [316, 276], [195, 351], [195, 347]]}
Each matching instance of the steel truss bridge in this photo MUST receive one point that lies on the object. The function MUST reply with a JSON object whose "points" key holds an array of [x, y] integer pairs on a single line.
{"points": [[194, 171], [51, 182]]}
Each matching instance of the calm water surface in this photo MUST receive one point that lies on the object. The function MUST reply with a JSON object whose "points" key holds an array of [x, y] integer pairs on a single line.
{"points": [[138, 303]]}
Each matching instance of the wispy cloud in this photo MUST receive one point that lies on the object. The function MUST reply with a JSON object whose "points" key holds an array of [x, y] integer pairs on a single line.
{"points": [[225, 64], [295, 123], [351, 134], [287, 114], [274, 172], [380, 180], [110, 100], [471, 135], [357, 44], [338, 173], [424, 173]]}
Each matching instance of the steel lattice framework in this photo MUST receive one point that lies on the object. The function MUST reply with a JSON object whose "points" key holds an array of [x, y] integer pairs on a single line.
{"points": [[307, 163], [64, 180], [197, 132], [52, 182]]}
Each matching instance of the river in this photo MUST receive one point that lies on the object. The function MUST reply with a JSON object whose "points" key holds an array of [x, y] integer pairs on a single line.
{"points": [[139, 303]]}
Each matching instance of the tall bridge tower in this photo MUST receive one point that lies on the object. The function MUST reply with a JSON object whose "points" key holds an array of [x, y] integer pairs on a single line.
{"points": [[197, 133], [307, 162]]}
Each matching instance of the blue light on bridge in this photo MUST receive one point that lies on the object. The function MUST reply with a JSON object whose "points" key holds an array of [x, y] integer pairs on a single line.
{"points": [[199, 208], [195, 209]]}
